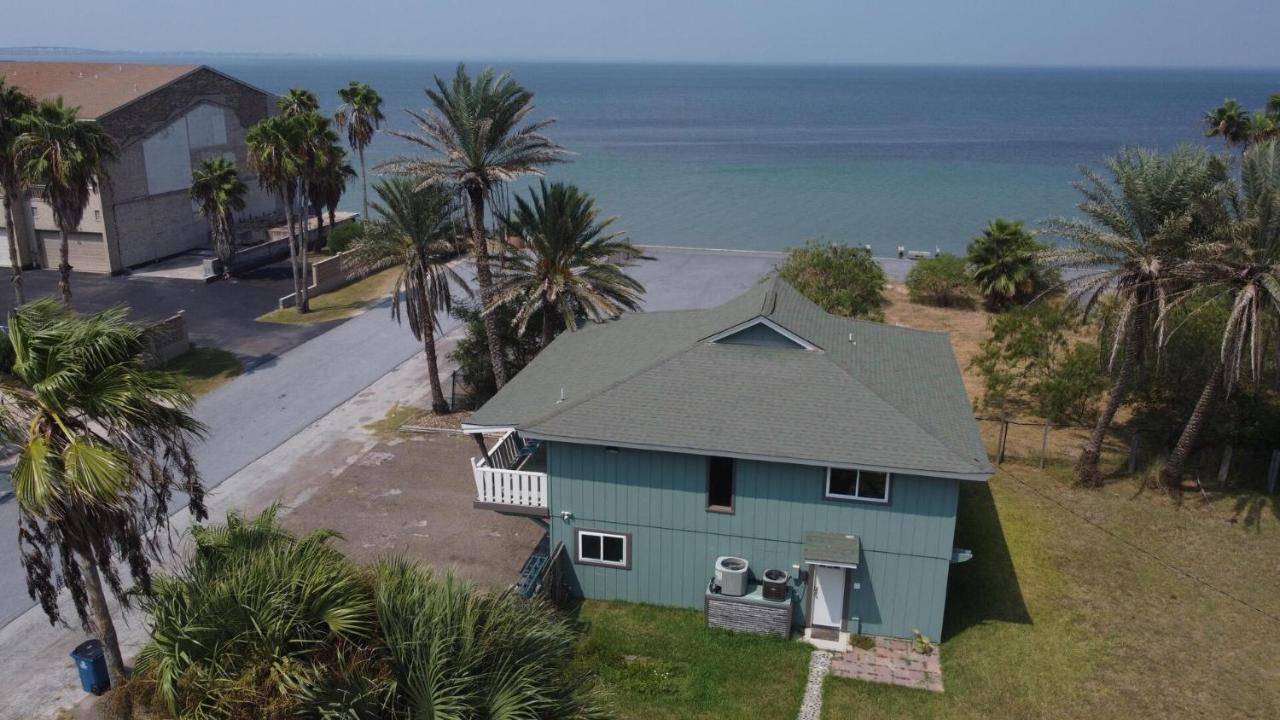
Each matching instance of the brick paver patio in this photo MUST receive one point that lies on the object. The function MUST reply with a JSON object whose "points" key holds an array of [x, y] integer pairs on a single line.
{"points": [[891, 661]]}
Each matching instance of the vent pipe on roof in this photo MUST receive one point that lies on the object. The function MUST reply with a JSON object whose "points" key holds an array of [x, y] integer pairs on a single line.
{"points": [[561, 396]]}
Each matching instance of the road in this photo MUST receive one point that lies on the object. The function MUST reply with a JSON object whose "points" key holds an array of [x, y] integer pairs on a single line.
{"points": [[253, 414]]}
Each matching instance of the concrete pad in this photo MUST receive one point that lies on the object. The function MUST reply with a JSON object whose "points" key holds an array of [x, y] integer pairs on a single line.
{"points": [[187, 266]]}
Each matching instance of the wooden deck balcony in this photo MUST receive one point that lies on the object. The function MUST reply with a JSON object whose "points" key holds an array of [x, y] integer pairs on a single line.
{"points": [[512, 479]]}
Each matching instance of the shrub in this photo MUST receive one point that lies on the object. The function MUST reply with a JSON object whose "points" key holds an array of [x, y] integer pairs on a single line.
{"points": [[943, 281], [841, 279], [343, 236], [1027, 363], [263, 624], [472, 351]]}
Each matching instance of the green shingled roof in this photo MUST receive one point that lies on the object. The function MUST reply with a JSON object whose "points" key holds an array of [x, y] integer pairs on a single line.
{"points": [[869, 395], [829, 547]]}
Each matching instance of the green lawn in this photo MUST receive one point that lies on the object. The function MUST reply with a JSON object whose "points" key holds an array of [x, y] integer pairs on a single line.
{"points": [[342, 303], [204, 368], [665, 663], [1079, 604]]}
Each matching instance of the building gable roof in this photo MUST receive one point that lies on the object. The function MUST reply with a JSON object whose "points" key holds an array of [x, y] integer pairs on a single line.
{"points": [[96, 88], [857, 394]]}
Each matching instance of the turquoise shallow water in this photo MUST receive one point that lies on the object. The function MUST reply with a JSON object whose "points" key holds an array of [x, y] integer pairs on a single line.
{"points": [[765, 157]]}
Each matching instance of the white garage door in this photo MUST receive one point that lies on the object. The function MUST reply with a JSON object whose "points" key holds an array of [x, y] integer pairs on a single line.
{"points": [[4, 247], [86, 251]]}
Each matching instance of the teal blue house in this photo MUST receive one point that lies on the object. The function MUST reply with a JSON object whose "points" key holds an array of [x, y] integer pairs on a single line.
{"points": [[826, 450]]}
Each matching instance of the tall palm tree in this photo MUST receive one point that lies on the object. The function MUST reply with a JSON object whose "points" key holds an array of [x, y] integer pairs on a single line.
{"points": [[1240, 260], [217, 189], [478, 145], [570, 265], [327, 186], [1227, 121], [1260, 127], [1003, 263], [415, 229], [103, 445], [298, 101], [360, 115], [318, 151], [66, 156], [16, 107], [1139, 225], [1273, 105], [272, 147]]}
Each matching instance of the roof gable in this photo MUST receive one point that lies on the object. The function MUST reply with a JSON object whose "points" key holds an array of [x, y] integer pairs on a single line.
{"points": [[763, 332]]}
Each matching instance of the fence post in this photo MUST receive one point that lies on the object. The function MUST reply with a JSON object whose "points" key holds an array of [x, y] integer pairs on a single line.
{"points": [[1004, 435], [453, 391], [1225, 466], [1273, 471], [1133, 452], [1044, 444]]}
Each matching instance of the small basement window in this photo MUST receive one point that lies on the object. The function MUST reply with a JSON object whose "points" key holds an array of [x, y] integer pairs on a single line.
{"points": [[603, 548], [867, 485], [720, 484]]}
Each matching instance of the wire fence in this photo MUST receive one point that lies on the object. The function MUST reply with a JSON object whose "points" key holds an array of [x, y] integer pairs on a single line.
{"points": [[1040, 442]]}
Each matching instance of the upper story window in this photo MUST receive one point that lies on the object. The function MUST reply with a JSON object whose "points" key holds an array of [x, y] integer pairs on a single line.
{"points": [[720, 472], [866, 485]]}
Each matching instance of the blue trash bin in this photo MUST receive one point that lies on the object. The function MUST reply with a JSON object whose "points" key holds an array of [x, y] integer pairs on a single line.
{"points": [[92, 664]]}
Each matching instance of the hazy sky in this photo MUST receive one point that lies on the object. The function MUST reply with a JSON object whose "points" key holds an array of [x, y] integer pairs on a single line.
{"points": [[1000, 32]]}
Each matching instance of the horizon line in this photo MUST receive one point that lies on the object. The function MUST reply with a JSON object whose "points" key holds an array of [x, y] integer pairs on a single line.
{"points": [[67, 50]]}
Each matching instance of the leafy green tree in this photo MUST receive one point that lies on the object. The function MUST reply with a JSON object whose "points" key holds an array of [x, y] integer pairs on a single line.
{"points": [[1240, 261], [416, 230], [570, 265], [103, 444], [1028, 363], [273, 155], [839, 278], [1138, 227], [1228, 121], [343, 236], [218, 191], [16, 108], [360, 115], [1004, 264], [478, 144], [66, 157], [943, 281]]}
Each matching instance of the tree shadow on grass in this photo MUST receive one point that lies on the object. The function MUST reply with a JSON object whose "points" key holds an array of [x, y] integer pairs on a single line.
{"points": [[984, 589]]}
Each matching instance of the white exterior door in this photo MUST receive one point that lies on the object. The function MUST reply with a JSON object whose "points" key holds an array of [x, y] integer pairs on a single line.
{"points": [[828, 596], [4, 247]]}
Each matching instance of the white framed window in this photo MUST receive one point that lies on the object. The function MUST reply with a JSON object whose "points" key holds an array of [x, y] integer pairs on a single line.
{"points": [[862, 485], [596, 547]]}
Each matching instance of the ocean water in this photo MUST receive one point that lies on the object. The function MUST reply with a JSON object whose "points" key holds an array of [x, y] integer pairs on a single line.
{"points": [[765, 157]]}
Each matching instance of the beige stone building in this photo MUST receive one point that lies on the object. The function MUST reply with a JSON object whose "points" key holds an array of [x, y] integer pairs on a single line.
{"points": [[166, 119]]}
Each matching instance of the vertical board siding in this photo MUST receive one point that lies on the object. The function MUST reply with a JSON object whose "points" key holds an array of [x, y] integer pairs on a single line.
{"points": [[660, 499]]}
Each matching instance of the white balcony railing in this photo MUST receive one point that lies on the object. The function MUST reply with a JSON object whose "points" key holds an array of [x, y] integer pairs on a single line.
{"points": [[508, 486]]}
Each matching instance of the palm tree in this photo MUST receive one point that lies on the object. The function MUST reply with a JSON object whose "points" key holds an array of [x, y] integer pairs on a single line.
{"points": [[1227, 121], [1003, 262], [415, 229], [1239, 260], [66, 156], [1139, 224], [1259, 127], [360, 115], [217, 189], [316, 146], [1273, 105], [327, 187], [570, 265], [272, 148], [478, 145], [16, 107], [298, 101], [103, 445]]}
